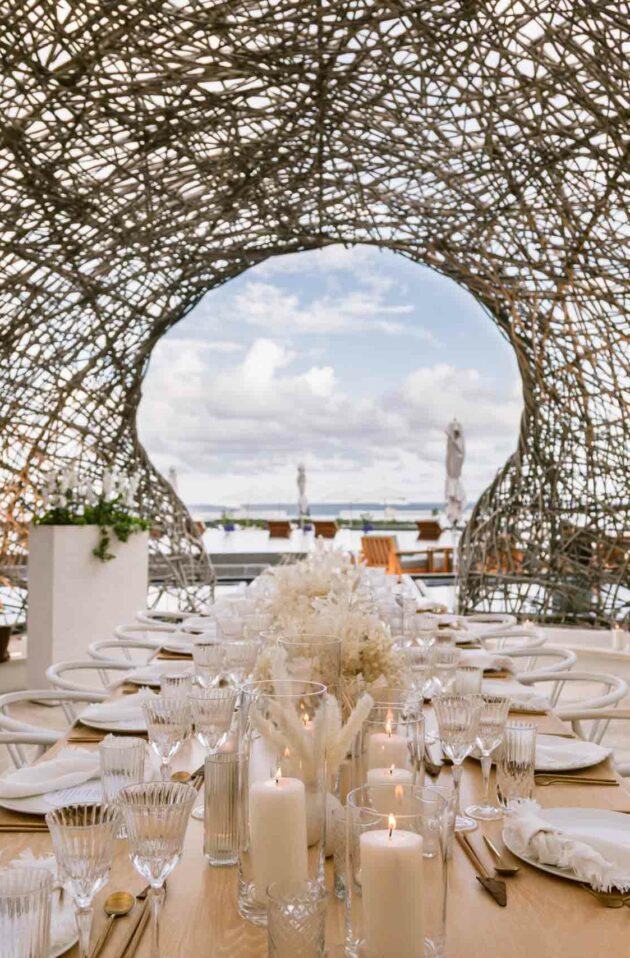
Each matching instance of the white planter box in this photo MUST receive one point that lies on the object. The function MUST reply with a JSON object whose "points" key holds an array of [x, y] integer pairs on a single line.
{"points": [[74, 598]]}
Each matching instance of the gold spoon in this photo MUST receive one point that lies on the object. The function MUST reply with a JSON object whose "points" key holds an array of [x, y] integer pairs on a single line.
{"points": [[117, 905], [181, 777], [500, 868]]}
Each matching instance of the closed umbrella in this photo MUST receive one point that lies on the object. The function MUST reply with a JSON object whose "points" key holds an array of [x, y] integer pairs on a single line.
{"points": [[454, 490], [303, 506]]}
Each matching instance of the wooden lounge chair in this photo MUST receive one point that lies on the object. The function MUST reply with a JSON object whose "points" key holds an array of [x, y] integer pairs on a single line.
{"points": [[429, 529], [326, 528], [279, 528], [383, 552]]}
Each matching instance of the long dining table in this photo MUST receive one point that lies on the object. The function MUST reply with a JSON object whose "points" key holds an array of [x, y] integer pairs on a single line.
{"points": [[546, 916]]}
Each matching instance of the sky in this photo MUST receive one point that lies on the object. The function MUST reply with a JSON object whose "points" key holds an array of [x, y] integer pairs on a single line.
{"points": [[352, 361]]}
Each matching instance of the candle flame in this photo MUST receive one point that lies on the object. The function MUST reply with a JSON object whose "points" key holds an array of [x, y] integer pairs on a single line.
{"points": [[389, 718], [391, 769], [391, 824], [399, 793], [278, 775], [306, 719], [287, 753]]}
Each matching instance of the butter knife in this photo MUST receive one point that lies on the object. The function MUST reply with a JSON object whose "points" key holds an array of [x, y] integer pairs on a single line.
{"points": [[494, 886]]}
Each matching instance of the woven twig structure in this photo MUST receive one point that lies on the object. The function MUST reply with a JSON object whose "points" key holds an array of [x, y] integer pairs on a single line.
{"points": [[153, 150]]}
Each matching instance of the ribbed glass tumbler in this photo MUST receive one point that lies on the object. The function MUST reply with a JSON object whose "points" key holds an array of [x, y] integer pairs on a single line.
{"points": [[25, 912], [220, 830]]}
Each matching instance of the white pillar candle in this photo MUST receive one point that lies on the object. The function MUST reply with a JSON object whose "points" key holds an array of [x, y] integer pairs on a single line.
{"points": [[277, 828], [391, 879], [387, 748], [385, 800]]}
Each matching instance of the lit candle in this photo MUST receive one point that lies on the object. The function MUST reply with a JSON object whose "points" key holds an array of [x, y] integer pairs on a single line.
{"points": [[383, 800], [391, 879], [277, 827], [387, 748]]}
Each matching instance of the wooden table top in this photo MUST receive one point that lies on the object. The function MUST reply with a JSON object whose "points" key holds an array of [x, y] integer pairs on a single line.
{"points": [[546, 917]]}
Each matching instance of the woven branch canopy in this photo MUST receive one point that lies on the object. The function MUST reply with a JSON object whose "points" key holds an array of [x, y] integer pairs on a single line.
{"points": [[153, 150]]}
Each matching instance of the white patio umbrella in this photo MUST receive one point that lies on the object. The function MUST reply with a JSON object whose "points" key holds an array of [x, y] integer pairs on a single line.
{"points": [[303, 506], [454, 490]]}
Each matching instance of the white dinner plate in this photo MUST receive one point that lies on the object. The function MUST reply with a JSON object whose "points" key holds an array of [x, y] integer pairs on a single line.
{"points": [[585, 754], [40, 804], [575, 817], [177, 645], [64, 947], [124, 725]]}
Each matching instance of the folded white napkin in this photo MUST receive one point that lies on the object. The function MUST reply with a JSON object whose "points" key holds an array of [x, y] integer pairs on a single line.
{"points": [[72, 766], [125, 709], [524, 697], [63, 926], [150, 674], [488, 661], [552, 754], [597, 854]]}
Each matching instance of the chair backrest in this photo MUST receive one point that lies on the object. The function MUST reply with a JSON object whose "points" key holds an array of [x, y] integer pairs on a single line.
{"points": [[41, 736], [16, 741], [58, 672], [600, 719], [162, 617], [494, 620], [538, 660], [429, 529], [279, 528], [610, 689], [144, 632], [325, 528], [377, 550], [119, 650], [503, 641]]}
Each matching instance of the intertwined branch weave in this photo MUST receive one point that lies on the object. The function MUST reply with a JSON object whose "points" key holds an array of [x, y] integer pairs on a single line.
{"points": [[153, 150]]}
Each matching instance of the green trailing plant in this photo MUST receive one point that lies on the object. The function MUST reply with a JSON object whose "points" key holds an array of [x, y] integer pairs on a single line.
{"points": [[72, 503]]}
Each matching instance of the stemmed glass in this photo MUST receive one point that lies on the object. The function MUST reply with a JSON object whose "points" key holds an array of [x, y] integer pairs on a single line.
{"points": [[457, 718], [234, 661], [444, 667], [468, 680], [156, 816], [208, 659], [240, 660], [83, 839], [168, 724], [420, 661], [492, 718], [212, 713]]}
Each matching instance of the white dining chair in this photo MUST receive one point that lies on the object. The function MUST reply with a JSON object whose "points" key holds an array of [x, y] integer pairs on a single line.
{"points": [[122, 650], [494, 620], [599, 720], [57, 674], [144, 632], [503, 640], [40, 735], [159, 617], [15, 742], [605, 689], [546, 659]]}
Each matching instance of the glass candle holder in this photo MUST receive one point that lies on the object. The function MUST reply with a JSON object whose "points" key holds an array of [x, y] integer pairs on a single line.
{"points": [[220, 828], [396, 874], [315, 658], [390, 745], [282, 788], [25, 895], [516, 761], [296, 919]]}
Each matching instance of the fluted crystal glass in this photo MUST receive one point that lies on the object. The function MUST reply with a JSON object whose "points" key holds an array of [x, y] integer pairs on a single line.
{"points": [[168, 724], [83, 838], [445, 664], [212, 715], [458, 717], [490, 731], [156, 815]]}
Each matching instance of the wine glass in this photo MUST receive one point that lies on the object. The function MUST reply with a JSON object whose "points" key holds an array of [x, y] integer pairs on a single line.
{"points": [[156, 815], [83, 838], [492, 718], [212, 713], [208, 658], [240, 660], [467, 680], [457, 718], [420, 661], [444, 667], [168, 724]]}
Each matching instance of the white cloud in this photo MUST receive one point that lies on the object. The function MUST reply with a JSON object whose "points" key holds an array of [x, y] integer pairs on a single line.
{"points": [[237, 432]]}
